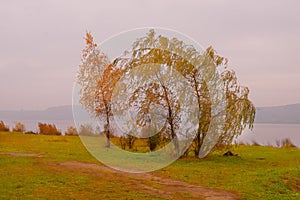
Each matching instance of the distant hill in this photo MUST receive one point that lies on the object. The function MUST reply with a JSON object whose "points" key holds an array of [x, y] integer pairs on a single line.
{"points": [[53, 113], [287, 114]]}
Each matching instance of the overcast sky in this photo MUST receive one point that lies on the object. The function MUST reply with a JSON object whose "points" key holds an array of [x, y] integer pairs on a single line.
{"points": [[41, 43]]}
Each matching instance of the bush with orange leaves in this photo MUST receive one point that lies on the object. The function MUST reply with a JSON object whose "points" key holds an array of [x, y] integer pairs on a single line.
{"points": [[48, 129], [3, 127]]}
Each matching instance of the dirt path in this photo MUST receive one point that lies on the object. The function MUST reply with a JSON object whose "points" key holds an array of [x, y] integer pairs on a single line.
{"points": [[21, 154], [153, 184]]}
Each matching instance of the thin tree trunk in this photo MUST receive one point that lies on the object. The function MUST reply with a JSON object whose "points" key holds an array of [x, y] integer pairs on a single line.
{"points": [[171, 122], [199, 137], [107, 128]]}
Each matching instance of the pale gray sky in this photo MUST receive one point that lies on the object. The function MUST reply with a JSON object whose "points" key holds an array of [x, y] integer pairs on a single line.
{"points": [[41, 42]]}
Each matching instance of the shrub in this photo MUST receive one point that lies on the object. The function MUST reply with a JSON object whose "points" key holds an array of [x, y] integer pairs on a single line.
{"points": [[86, 129], [122, 141], [285, 143], [254, 143], [3, 127], [127, 140], [153, 142], [19, 127], [48, 129], [30, 132], [71, 131]]}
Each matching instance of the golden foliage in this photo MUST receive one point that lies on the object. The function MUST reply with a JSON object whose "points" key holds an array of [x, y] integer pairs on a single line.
{"points": [[48, 129], [93, 63], [3, 127], [98, 77]]}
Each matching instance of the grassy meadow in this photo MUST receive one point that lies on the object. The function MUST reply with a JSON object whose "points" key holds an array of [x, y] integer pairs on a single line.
{"points": [[34, 167]]}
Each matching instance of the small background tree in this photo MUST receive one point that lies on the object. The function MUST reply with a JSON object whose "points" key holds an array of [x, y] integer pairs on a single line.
{"points": [[71, 131], [96, 77], [86, 129], [19, 127]]}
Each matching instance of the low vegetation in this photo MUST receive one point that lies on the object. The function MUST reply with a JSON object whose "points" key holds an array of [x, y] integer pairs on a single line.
{"points": [[3, 127], [71, 131], [48, 129], [19, 127]]}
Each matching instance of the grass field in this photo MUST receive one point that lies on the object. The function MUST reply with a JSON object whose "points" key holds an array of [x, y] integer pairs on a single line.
{"points": [[31, 168]]}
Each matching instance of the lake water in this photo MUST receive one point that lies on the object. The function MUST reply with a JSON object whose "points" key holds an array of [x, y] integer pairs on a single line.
{"points": [[32, 125], [264, 134], [269, 134]]}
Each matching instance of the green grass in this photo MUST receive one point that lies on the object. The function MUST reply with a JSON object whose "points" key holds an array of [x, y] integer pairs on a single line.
{"points": [[257, 173], [36, 178]]}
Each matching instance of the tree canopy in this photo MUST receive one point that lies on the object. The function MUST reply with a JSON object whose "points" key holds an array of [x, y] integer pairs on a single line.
{"points": [[174, 66]]}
